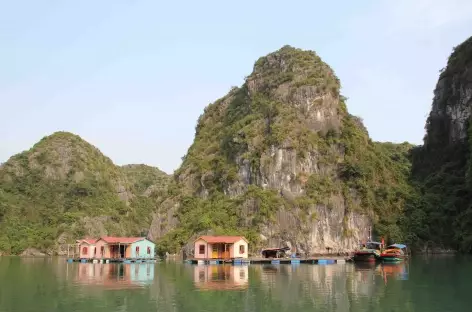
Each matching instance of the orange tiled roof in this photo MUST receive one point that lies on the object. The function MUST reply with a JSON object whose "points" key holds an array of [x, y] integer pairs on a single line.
{"points": [[221, 239], [121, 240], [89, 241]]}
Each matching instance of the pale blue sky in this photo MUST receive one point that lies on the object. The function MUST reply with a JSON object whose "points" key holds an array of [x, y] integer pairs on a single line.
{"points": [[132, 76]]}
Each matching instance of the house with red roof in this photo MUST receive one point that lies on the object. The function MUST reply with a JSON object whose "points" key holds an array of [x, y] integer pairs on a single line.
{"points": [[111, 247], [86, 248], [220, 247]]}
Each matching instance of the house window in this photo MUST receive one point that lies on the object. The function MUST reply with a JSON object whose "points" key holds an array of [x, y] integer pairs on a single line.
{"points": [[85, 250], [149, 250], [201, 249], [241, 249], [137, 250], [102, 250], [94, 251]]}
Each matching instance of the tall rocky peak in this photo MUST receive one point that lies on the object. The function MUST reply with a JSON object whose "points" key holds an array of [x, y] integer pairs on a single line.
{"points": [[290, 99], [451, 109], [64, 188], [280, 160], [443, 166]]}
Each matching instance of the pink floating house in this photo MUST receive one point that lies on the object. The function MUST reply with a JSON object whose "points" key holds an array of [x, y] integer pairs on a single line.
{"points": [[221, 247], [87, 248], [110, 247]]}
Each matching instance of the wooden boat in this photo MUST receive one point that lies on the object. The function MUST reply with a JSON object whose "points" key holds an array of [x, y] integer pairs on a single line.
{"points": [[394, 253], [369, 252]]}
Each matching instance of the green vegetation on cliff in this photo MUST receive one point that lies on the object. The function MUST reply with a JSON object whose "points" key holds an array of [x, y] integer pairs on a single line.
{"points": [[145, 179], [64, 188], [442, 216]]}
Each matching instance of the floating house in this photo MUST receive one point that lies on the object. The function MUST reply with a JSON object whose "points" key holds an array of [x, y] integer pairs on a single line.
{"points": [[110, 247], [221, 247], [87, 248]]}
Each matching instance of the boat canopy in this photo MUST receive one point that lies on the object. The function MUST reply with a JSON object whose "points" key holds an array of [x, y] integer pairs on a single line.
{"points": [[400, 246], [274, 252]]}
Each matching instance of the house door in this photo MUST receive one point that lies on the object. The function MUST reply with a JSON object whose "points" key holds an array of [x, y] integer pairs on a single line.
{"points": [[122, 251], [226, 251], [214, 252]]}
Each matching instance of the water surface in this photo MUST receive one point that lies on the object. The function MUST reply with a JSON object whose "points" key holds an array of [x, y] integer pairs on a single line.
{"points": [[52, 284]]}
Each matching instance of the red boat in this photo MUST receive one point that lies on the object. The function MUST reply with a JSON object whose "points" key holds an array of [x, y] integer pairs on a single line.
{"points": [[394, 253]]}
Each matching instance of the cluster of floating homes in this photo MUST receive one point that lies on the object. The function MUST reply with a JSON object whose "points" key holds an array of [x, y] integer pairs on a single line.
{"points": [[113, 248], [133, 248], [216, 249]]}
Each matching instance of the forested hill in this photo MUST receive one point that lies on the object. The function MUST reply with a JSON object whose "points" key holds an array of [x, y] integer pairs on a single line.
{"points": [[64, 188]]}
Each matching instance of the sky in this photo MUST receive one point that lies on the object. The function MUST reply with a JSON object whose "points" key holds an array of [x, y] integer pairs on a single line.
{"points": [[132, 76]]}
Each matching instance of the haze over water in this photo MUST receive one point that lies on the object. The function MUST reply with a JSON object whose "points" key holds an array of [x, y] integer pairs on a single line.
{"points": [[52, 284]]}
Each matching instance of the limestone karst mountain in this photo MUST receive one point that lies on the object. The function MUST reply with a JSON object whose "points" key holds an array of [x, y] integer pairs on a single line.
{"points": [[281, 161]]}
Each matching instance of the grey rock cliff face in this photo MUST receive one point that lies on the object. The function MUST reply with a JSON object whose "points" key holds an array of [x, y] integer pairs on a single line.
{"points": [[333, 227], [451, 108], [282, 169], [458, 112]]}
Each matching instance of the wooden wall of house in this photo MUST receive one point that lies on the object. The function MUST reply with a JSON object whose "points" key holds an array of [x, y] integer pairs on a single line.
{"points": [[140, 249]]}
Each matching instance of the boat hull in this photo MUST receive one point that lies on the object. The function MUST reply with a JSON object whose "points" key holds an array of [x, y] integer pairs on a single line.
{"points": [[391, 259], [365, 257]]}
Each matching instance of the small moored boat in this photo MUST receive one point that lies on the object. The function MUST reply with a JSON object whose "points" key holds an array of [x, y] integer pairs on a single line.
{"points": [[394, 253], [369, 252]]}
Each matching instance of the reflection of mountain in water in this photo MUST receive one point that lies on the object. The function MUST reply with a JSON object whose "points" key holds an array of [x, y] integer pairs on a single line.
{"points": [[221, 277], [115, 275]]}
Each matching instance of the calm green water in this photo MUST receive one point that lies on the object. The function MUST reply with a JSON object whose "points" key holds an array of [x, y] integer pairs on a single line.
{"points": [[423, 285]]}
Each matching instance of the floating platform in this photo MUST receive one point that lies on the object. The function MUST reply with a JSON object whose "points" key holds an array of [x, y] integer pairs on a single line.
{"points": [[113, 260], [274, 261]]}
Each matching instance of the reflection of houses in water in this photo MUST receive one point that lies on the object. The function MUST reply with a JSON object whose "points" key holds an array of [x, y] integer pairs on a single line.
{"points": [[115, 275], [221, 277]]}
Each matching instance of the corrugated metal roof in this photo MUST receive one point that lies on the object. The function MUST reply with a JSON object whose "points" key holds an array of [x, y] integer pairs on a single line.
{"points": [[400, 246], [221, 239]]}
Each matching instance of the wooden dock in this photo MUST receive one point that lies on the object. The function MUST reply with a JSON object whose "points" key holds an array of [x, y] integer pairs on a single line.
{"points": [[113, 260], [321, 260]]}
